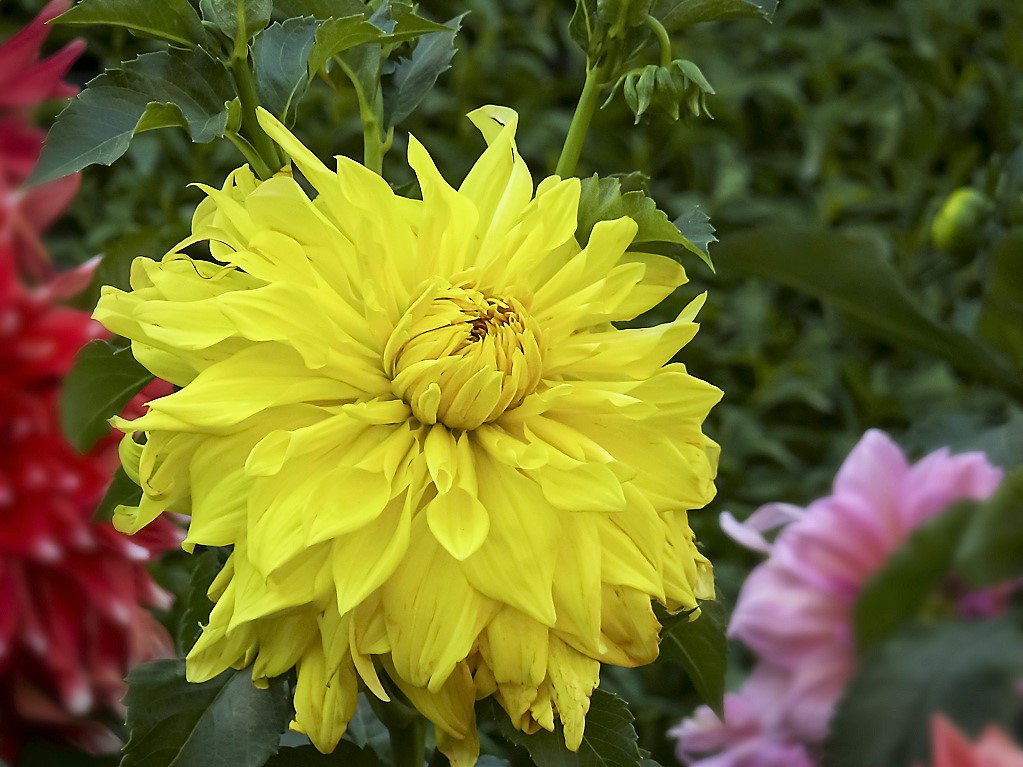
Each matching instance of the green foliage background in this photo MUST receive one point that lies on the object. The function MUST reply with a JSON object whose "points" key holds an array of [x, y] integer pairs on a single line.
{"points": [[860, 117]]}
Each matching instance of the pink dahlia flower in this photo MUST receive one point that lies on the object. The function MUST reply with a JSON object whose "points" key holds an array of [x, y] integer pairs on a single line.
{"points": [[950, 748], [25, 82], [72, 592], [795, 609]]}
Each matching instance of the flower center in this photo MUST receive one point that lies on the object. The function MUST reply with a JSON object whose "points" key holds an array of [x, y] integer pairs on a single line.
{"points": [[462, 358]]}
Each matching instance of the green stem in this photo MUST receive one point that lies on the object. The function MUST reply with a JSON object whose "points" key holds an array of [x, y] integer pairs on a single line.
{"points": [[257, 138], [374, 143], [662, 39], [408, 744], [584, 111], [250, 154]]}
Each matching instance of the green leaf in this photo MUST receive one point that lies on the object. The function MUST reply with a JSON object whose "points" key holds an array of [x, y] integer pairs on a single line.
{"points": [[415, 76], [281, 63], [367, 731], [1001, 316], [609, 740], [679, 14], [319, 9], [701, 649], [196, 604], [601, 199], [102, 381], [225, 721], [619, 15], [233, 16], [853, 275], [408, 24], [991, 550], [122, 492], [967, 670], [156, 90], [696, 228], [172, 20], [894, 595], [335, 36], [345, 755]]}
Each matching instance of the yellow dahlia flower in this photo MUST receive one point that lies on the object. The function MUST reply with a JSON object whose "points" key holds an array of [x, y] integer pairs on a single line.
{"points": [[434, 455]]}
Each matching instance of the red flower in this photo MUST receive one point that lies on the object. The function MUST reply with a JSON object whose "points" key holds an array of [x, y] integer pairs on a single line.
{"points": [[26, 81], [72, 592]]}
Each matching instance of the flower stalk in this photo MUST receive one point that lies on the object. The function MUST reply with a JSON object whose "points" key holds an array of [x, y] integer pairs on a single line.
{"points": [[257, 147], [584, 112]]}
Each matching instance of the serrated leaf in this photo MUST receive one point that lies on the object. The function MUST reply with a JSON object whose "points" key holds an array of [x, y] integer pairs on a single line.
{"points": [[172, 20], [413, 77], [197, 605], [335, 36], [701, 649], [679, 14], [609, 740], [969, 671], [408, 24], [853, 275], [225, 721], [991, 549], [319, 9], [156, 90], [601, 199], [233, 16], [281, 63], [121, 492], [696, 227], [345, 755], [102, 381], [893, 595]]}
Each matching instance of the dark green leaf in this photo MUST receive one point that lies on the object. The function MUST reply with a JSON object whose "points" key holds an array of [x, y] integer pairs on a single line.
{"points": [[335, 36], [619, 15], [1001, 317], [225, 721], [408, 24], [232, 16], [991, 550], [367, 731], [583, 24], [122, 492], [609, 740], [701, 649], [696, 227], [415, 76], [894, 595], [281, 63], [601, 199], [318, 9], [156, 90], [197, 605], [853, 275], [102, 381], [967, 670], [345, 755], [679, 14], [173, 20]]}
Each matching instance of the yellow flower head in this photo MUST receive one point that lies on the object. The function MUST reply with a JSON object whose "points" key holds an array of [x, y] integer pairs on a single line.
{"points": [[434, 455]]}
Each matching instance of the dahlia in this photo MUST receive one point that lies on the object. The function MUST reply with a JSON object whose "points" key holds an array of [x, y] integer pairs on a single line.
{"points": [[71, 591], [430, 448], [795, 609], [25, 82]]}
